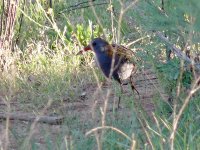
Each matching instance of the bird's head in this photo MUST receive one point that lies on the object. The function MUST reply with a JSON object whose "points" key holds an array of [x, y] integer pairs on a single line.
{"points": [[98, 46]]}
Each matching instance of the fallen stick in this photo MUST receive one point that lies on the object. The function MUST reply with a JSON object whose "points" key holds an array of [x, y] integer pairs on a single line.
{"points": [[53, 120], [11, 103]]}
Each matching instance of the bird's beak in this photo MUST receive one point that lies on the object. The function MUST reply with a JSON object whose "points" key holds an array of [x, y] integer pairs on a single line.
{"points": [[87, 48]]}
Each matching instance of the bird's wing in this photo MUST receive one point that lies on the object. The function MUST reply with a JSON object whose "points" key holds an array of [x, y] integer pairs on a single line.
{"points": [[119, 50], [123, 51]]}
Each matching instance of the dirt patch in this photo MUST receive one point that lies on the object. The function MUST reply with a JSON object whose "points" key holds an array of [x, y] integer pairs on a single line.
{"points": [[81, 115], [148, 85]]}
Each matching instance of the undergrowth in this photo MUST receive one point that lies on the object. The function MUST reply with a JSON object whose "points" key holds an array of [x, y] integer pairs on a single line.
{"points": [[44, 68]]}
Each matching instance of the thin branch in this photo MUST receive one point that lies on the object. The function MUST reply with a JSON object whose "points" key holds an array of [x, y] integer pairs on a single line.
{"points": [[194, 89], [177, 51], [76, 5], [32, 20], [122, 12], [135, 41], [81, 7]]}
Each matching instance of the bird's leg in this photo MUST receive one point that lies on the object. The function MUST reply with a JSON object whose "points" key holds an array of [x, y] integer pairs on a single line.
{"points": [[122, 91], [133, 86]]}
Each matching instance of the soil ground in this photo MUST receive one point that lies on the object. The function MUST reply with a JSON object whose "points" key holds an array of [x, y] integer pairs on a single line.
{"points": [[82, 115]]}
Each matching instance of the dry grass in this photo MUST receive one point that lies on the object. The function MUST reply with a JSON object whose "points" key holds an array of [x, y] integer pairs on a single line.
{"points": [[44, 76]]}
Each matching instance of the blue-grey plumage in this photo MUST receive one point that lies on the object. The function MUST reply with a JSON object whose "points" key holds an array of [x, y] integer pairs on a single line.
{"points": [[114, 60]]}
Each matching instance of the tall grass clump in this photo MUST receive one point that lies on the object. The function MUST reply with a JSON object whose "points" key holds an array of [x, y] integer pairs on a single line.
{"points": [[42, 75]]}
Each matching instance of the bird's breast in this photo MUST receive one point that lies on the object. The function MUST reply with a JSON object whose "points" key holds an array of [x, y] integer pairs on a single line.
{"points": [[125, 70], [104, 62], [122, 69]]}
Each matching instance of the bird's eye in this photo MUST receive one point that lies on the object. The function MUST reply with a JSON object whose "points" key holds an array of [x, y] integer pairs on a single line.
{"points": [[94, 44]]}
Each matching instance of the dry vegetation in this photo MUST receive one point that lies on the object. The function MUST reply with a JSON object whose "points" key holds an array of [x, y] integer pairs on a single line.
{"points": [[50, 98]]}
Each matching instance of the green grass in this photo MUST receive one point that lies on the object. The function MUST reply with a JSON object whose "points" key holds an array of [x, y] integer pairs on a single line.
{"points": [[45, 68]]}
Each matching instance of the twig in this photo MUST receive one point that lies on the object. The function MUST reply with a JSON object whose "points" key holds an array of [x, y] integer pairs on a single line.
{"points": [[177, 51], [80, 4], [194, 89], [135, 41], [81, 7]]}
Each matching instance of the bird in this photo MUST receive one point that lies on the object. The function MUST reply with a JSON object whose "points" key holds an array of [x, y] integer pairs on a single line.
{"points": [[115, 61]]}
